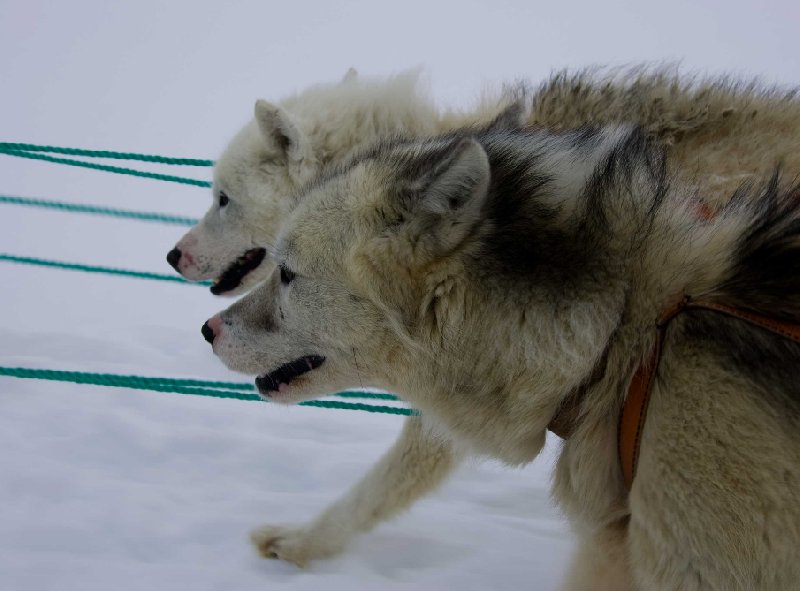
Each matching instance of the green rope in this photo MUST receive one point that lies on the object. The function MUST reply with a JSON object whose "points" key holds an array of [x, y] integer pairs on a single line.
{"points": [[10, 258], [234, 390], [114, 379], [18, 147], [389, 410], [104, 167], [366, 395], [346, 394], [99, 210], [176, 386]]}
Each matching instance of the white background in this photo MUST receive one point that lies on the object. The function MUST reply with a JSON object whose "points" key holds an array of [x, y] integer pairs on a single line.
{"points": [[112, 488]]}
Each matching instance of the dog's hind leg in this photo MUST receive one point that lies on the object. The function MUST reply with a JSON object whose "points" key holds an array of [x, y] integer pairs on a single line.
{"points": [[601, 562], [418, 462]]}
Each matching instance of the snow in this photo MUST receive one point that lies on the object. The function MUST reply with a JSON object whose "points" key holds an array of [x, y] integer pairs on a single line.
{"points": [[109, 488]]}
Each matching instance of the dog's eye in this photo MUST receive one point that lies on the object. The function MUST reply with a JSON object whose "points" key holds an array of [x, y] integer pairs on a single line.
{"points": [[286, 275], [223, 199]]}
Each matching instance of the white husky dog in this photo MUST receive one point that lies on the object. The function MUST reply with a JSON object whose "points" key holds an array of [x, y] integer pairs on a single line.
{"points": [[508, 282], [285, 145], [708, 126]]}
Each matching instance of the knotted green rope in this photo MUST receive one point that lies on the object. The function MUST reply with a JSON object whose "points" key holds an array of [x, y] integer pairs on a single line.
{"points": [[178, 386]]}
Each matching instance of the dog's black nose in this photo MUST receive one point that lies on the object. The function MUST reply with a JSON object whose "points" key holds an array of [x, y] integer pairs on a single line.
{"points": [[174, 257], [208, 334]]}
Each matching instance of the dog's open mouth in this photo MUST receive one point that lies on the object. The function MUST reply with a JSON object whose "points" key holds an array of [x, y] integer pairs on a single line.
{"points": [[279, 380], [232, 277]]}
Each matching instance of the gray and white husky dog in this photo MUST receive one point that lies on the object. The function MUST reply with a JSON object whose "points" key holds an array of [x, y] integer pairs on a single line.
{"points": [[491, 279], [718, 134]]}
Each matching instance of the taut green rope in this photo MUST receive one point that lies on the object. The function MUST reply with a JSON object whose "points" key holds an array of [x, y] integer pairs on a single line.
{"points": [[97, 269], [215, 389], [114, 379], [99, 210], [19, 147], [176, 386], [114, 169]]}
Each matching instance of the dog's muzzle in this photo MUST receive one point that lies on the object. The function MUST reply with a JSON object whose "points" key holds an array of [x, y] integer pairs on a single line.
{"points": [[173, 258]]}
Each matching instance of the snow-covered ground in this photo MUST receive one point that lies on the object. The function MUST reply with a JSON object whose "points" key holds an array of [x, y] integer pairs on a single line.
{"points": [[110, 488]]}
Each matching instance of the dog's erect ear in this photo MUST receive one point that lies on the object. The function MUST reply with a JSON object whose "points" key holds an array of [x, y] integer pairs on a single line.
{"points": [[279, 130], [458, 181], [350, 76], [454, 193], [514, 116]]}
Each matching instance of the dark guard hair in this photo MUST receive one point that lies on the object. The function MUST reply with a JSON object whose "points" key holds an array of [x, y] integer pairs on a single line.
{"points": [[765, 279]]}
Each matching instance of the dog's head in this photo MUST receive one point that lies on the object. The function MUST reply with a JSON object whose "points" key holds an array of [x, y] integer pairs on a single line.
{"points": [[253, 183], [461, 272], [355, 263], [257, 178]]}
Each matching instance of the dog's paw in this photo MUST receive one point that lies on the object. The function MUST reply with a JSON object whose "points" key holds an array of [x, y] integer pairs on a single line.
{"points": [[298, 545]]}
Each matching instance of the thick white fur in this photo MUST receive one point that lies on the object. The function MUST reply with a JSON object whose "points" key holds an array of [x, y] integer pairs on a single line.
{"points": [[287, 143], [712, 129], [718, 134], [392, 292]]}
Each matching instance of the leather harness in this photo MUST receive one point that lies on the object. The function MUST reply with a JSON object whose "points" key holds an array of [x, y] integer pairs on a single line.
{"points": [[634, 410]]}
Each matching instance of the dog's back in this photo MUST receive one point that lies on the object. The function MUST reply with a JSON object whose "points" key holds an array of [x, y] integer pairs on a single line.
{"points": [[715, 503], [718, 132]]}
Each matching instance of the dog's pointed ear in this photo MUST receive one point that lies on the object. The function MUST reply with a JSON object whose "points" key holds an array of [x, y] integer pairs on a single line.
{"points": [[459, 181], [453, 198], [513, 116], [350, 76], [279, 130]]}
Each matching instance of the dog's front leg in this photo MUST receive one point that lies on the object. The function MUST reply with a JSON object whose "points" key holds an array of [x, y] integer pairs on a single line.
{"points": [[418, 462], [601, 562]]}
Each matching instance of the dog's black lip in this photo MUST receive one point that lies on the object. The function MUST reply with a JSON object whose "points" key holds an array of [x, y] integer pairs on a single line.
{"points": [[271, 381], [232, 277]]}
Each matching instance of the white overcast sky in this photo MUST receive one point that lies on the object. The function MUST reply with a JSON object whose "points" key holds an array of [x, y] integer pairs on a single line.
{"points": [[180, 76]]}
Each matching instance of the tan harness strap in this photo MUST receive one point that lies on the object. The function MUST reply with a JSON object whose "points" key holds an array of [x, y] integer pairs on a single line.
{"points": [[788, 330], [634, 410]]}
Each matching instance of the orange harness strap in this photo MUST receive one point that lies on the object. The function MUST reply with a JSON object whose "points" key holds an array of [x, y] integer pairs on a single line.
{"points": [[634, 410]]}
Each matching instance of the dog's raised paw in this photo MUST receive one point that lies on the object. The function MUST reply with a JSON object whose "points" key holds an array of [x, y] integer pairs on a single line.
{"points": [[282, 543], [299, 544]]}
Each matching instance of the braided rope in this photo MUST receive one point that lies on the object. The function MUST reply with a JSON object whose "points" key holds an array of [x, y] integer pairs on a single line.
{"points": [[99, 210], [177, 386], [216, 389], [115, 379], [98, 269], [19, 147], [107, 168]]}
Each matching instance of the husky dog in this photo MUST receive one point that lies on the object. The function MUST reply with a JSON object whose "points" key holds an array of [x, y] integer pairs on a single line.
{"points": [[710, 127], [493, 279], [285, 145]]}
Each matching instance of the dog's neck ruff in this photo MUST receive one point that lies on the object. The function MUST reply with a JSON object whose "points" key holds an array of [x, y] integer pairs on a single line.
{"points": [[634, 409]]}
